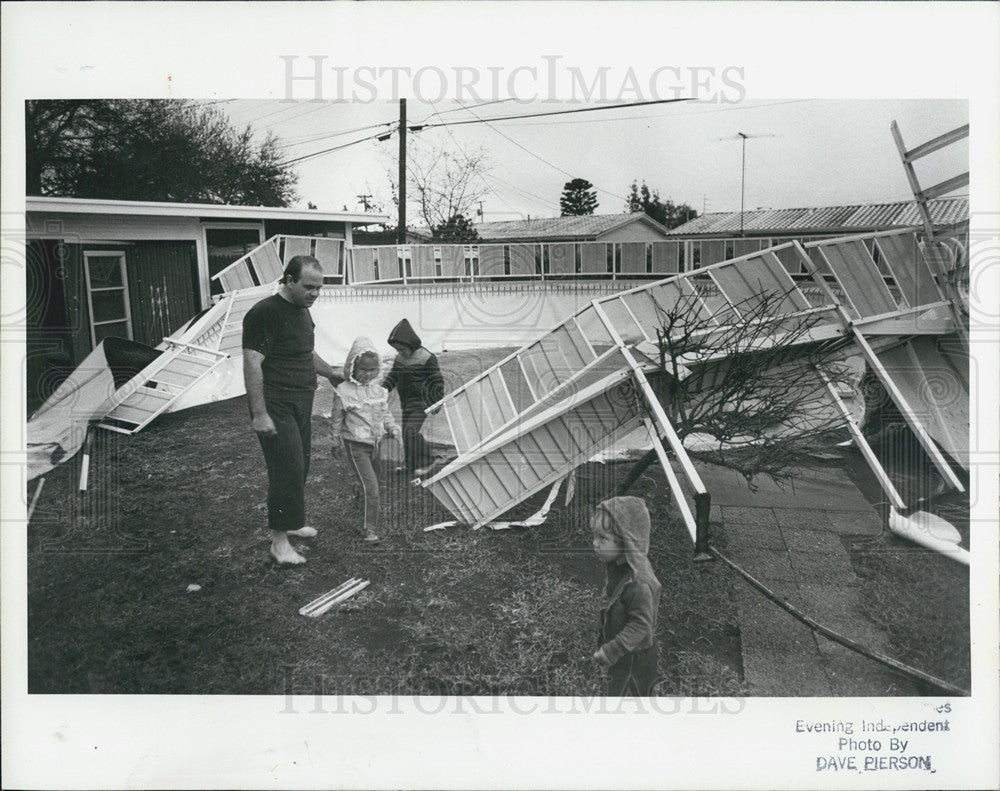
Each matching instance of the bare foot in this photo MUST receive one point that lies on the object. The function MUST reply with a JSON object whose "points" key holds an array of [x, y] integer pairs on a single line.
{"points": [[303, 532], [282, 551], [288, 558]]}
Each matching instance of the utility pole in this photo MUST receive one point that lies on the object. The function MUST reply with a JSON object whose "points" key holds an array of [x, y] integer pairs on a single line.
{"points": [[364, 201], [401, 230]]}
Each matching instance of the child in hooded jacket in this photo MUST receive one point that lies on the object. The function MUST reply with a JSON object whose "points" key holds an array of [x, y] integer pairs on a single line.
{"points": [[360, 419], [417, 376], [627, 643]]}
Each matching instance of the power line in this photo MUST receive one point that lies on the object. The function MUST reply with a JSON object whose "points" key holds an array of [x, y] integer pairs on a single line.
{"points": [[672, 115], [479, 120], [306, 139], [293, 117], [437, 113], [486, 182], [542, 159], [547, 201], [291, 106], [486, 121], [329, 150], [468, 159], [250, 110]]}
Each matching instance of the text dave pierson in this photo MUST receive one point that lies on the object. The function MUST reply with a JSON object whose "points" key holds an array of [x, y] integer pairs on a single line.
{"points": [[874, 763]]}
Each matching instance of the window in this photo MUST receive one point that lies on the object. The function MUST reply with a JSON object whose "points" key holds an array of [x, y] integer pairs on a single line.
{"points": [[107, 295]]}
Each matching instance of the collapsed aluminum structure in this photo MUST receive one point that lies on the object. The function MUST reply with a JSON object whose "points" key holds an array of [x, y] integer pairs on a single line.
{"points": [[549, 407], [546, 409], [193, 354]]}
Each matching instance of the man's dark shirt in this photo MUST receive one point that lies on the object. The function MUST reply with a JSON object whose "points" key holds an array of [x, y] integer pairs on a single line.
{"points": [[284, 334]]}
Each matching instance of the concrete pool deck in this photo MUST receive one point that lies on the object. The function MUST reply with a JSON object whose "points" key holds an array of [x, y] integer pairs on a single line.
{"points": [[790, 540]]}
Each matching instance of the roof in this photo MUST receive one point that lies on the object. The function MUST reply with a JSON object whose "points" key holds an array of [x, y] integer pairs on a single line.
{"points": [[413, 236], [164, 209], [859, 217], [584, 226]]}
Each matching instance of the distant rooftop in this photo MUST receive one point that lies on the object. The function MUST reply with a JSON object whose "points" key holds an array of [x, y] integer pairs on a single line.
{"points": [[585, 226], [859, 217]]}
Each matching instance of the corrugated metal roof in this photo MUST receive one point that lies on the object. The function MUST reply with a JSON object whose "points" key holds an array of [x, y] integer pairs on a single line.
{"points": [[585, 226], [861, 217]]}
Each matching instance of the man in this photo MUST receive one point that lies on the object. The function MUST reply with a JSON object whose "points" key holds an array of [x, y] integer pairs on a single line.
{"points": [[280, 367]]}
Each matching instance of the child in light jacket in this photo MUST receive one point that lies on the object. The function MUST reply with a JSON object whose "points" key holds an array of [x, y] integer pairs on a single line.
{"points": [[416, 374], [627, 644], [360, 419]]}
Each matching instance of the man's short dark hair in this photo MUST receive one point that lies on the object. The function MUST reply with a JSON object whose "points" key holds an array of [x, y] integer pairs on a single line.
{"points": [[293, 272]]}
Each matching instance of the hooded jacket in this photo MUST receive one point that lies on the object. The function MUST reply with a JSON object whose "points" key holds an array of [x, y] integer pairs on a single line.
{"points": [[419, 377], [632, 595], [361, 412]]}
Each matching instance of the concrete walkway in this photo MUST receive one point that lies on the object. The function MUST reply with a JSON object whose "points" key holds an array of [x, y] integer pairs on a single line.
{"points": [[790, 541]]}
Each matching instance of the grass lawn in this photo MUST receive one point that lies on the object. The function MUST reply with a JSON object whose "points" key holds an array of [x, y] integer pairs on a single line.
{"points": [[448, 612], [920, 599], [452, 611]]}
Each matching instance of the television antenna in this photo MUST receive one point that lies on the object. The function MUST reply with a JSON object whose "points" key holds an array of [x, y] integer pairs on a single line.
{"points": [[743, 137]]}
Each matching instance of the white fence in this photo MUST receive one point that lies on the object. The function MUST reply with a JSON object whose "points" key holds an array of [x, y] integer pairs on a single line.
{"points": [[266, 262], [557, 260]]}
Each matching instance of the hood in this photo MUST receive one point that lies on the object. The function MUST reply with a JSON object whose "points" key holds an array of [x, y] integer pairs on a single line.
{"points": [[630, 523], [361, 344], [403, 333]]}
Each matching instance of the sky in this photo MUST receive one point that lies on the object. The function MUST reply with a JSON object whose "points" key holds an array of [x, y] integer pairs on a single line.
{"points": [[800, 152]]}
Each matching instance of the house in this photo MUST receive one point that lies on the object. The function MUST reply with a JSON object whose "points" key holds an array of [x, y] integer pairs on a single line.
{"points": [[825, 221], [593, 245], [382, 238], [636, 227], [718, 236], [137, 269]]}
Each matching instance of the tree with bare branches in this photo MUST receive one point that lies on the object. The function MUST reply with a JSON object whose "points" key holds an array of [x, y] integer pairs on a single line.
{"points": [[748, 393], [443, 183]]}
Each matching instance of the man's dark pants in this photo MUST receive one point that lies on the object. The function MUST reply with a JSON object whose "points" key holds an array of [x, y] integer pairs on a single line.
{"points": [[287, 457]]}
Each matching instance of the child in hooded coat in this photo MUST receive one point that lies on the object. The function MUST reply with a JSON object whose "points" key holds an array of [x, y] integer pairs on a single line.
{"points": [[360, 419], [417, 375], [627, 644]]}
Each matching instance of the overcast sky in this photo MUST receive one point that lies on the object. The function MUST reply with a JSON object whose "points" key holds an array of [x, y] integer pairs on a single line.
{"points": [[809, 152]]}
